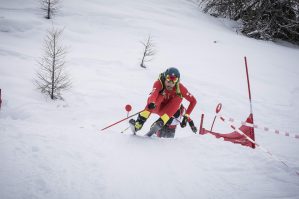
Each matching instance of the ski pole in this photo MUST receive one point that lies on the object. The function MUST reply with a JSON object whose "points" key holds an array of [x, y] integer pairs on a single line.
{"points": [[120, 121], [125, 129]]}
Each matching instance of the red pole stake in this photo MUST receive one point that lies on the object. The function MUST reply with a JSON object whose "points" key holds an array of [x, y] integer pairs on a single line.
{"points": [[249, 94], [120, 121], [248, 83], [0, 99], [201, 124]]}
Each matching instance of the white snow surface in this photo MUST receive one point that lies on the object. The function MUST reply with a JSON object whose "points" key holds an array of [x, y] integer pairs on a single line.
{"points": [[55, 149]]}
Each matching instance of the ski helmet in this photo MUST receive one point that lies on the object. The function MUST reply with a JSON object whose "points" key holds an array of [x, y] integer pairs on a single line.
{"points": [[172, 73]]}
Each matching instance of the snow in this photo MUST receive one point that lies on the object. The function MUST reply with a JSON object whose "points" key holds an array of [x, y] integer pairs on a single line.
{"points": [[55, 149]]}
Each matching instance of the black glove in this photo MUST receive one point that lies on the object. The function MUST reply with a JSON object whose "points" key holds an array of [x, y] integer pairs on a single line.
{"points": [[184, 122], [193, 128], [151, 106]]}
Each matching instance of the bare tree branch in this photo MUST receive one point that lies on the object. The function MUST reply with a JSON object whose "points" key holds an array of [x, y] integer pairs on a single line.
{"points": [[149, 51]]}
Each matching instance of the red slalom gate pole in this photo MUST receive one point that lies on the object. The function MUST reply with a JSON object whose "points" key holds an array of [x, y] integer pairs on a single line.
{"points": [[0, 98], [218, 109], [249, 95], [200, 131], [120, 121], [248, 84]]}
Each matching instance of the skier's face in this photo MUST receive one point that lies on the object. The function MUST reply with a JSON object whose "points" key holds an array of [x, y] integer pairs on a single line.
{"points": [[169, 85]]}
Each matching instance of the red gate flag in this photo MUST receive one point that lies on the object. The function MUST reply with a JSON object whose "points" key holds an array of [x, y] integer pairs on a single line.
{"points": [[234, 136]]}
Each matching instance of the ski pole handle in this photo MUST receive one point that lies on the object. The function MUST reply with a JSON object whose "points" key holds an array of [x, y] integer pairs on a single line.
{"points": [[120, 121]]}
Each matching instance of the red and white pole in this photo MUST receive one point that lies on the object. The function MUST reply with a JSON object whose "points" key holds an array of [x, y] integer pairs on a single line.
{"points": [[248, 84], [249, 94]]}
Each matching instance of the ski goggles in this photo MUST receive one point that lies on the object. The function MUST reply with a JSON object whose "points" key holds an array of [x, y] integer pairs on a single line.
{"points": [[172, 78]]}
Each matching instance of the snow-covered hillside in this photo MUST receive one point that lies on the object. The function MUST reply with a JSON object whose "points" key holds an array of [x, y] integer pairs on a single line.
{"points": [[55, 149]]}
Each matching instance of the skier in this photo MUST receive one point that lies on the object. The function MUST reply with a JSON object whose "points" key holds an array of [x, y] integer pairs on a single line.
{"points": [[165, 100]]}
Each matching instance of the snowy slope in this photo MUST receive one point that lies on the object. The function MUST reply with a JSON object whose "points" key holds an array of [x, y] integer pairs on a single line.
{"points": [[54, 149]]}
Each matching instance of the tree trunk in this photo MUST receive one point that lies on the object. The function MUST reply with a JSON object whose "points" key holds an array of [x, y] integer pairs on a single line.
{"points": [[53, 66], [49, 10]]}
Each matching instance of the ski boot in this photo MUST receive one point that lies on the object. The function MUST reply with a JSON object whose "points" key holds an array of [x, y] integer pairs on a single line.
{"points": [[155, 128], [136, 125]]}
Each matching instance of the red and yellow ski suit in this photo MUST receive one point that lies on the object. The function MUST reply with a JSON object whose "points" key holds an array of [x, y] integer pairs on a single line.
{"points": [[168, 101]]}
